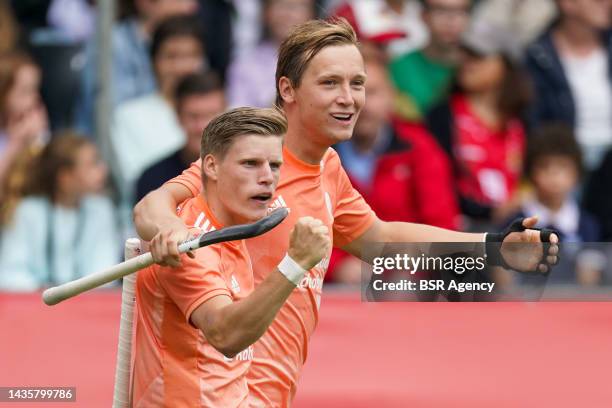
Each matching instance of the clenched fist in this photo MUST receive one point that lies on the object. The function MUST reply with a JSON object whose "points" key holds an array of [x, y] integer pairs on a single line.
{"points": [[308, 242]]}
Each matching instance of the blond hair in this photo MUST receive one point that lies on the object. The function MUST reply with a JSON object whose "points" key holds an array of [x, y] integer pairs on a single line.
{"points": [[225, 128], [304, 43]]}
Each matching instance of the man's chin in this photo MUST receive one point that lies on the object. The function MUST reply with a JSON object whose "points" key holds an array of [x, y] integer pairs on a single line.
{"points": [[256, 214], [337, 137]]}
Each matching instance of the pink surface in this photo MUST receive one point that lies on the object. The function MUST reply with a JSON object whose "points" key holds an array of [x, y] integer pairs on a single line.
{"points": [[362, 355]]}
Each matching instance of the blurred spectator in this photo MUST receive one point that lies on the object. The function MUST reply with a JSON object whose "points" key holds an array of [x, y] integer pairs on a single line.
{"points": [[480, 125], [58, 21], [395, 22], [146, 129], [246, 27], [216, 17], [198, 99], [131, 64], [251, 77], [76, 19], [571, 68], [525, 19], [61, 230], [553, 165], [399, 169], [423, 76], [598, 195], [31, 14], [9, 34], [246, 30], [23, 118]]}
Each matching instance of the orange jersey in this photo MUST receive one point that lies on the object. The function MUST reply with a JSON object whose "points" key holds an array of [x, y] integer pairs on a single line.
{"points": [[322, 191], [174, 364]]}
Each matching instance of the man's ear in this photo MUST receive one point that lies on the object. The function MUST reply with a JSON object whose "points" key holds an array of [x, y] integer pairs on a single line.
{"points": [[210, 167], [286, 90]]}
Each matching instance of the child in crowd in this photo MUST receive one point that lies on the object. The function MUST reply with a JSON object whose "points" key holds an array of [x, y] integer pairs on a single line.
{"points": [[553, 166], [62, 229]]}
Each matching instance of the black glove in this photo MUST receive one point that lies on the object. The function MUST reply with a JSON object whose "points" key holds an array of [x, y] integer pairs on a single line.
{"points": [[494, 241]]}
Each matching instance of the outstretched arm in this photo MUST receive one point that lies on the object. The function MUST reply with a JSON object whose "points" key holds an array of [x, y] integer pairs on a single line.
{"points": [[382, 231], [526, 258]]}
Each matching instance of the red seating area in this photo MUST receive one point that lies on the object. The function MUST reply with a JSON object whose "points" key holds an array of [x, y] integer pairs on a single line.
{"points": [[362, 355]]}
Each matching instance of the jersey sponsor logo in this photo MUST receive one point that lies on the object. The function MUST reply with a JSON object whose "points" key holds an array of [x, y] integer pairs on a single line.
{"points": [[244, 355], [203, 223], [315, 282], [278, 203], [311, 282]]}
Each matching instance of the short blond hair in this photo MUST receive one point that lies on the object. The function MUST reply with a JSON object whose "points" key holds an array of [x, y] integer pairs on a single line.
{"points": [[305, 41], [225, 128]]}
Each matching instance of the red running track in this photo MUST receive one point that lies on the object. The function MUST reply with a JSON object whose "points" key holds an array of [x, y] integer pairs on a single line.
{"points": [[362, 355]]}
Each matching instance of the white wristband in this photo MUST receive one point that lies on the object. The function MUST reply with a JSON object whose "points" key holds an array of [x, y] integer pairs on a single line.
{"points": [[292, 270]]}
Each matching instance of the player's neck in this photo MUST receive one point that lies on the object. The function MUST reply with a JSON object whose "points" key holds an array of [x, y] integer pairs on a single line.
{"points": [[303, 148], [216, 207]]}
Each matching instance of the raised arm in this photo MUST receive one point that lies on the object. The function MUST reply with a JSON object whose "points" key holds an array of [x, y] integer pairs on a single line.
{"points": [[230, 326]]}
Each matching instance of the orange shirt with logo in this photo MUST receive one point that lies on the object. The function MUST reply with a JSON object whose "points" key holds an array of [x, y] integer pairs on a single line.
{"points": [[174, 365], [321, 191]]}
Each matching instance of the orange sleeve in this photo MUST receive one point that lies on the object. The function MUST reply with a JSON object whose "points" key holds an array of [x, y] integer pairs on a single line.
{"points": [[195, 282], [352, 215], [190, 178]]}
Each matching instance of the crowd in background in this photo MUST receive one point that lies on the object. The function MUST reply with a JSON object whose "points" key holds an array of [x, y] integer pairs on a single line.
{"points": [[478, 111]]}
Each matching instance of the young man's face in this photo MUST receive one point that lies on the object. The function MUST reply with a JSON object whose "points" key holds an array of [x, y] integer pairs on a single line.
{"points": [[195, 113], [331, 94], [177, 57], [246, 177]]}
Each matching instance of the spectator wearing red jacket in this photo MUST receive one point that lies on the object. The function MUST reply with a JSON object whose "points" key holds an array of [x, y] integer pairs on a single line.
{"points": [[398, 168]]}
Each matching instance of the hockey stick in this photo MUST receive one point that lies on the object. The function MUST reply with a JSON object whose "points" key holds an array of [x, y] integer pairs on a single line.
{"points": [[67, 290]]}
